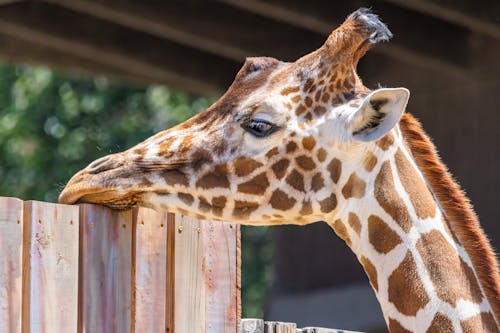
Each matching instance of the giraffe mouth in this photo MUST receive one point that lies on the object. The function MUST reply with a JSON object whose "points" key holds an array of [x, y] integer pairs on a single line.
{"points": [[107, 197]]}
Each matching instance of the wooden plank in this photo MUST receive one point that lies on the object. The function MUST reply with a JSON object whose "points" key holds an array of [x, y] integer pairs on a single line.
{"points": [[220, 274], [204, 25], [118, 47], [279, 327], [50, 264], [251, 325], [189, 289], [464, 13], [105, 269], [149, 271], [13, 49], [205, 277], [11, 252], [321, 18]]}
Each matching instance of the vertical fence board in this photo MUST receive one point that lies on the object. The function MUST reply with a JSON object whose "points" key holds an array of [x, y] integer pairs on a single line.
{"points": [[206, 290], [220, 276], [50, 285], [105, 269], [189, 288], [11, 252], [150, 269]]}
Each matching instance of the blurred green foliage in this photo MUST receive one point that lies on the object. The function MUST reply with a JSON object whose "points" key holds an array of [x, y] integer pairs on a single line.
{"points": [[52, 125]]}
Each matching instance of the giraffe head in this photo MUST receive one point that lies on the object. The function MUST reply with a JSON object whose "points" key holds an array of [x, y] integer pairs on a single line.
{"points": [[270, 150]]}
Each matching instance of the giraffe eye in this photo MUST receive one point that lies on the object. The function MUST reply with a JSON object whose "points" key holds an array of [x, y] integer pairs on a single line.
{"points": [[259, 128]]}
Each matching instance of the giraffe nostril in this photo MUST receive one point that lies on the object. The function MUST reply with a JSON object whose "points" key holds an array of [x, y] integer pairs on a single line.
{"points": [[101, 164]]}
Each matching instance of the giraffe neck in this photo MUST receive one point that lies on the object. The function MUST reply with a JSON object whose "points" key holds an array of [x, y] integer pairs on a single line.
{"points": [[422, 276]]}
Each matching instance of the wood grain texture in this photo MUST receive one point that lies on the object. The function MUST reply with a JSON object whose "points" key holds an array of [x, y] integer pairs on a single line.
{"points": [[105, 269], [50, 264], [149, 271], [205, 277], [11, 251]]}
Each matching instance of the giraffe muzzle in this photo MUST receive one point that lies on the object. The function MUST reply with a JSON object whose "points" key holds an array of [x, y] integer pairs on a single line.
{"points": [[97, 183]]}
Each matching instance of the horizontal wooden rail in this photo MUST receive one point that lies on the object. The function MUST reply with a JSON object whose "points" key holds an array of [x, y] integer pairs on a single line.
{"points": [[87, 268], [261, 326]]}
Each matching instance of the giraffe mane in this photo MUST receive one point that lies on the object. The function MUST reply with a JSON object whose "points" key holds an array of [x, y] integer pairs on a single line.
{"points": [[457, 208]]}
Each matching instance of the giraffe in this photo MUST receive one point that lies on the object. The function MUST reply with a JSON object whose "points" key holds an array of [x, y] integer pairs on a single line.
{"points": [[306, 141]]}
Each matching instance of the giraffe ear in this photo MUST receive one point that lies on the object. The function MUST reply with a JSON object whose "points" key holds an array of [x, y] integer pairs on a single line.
{"points": [[379, 113]]}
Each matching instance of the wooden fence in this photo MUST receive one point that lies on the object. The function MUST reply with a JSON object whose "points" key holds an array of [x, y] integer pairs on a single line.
{"points": [[261, 326], [90, 269], [87, 268]]}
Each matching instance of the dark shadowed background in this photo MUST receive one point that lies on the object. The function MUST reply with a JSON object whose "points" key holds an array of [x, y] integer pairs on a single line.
{"points": [[132, 68]]}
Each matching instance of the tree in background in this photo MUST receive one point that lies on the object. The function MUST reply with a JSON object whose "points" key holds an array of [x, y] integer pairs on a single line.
{"points": [[52, 125]]}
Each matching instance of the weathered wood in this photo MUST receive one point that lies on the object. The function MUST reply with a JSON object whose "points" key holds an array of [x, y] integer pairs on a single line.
{"points": [[204, 25], [321, 17], [205, 281], [117, 47], [483, 18], [260, 326], [50, 264], [322, 330], [13, 49], [149, 271], [279, 327], [251, 325], [105, 269], [220, 275], [11, 251]]}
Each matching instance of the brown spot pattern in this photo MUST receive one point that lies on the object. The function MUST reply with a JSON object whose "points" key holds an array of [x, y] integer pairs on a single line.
{"points": [[186, 198], [289, 90], [341, 231], [328, 204], [389, 199], [383, 238], [354, 222], [335, 169], [203, 205], [305, 162], [321, 154], [406, 290], [215, 178], [296, 180], [319, 111], [454, 278], [243, 209], [440, 324], [308, 142], [280, 200], [371, 271], [291, 147], [306, 208], [175, 177], [482, 322], [300, 110], [370, 161], [317, 182], [354, 188], [419, 194], [385, 142], [218, 204], [244, 166], [280, 168], [257, 185], [272, 152], [395, 327]]}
